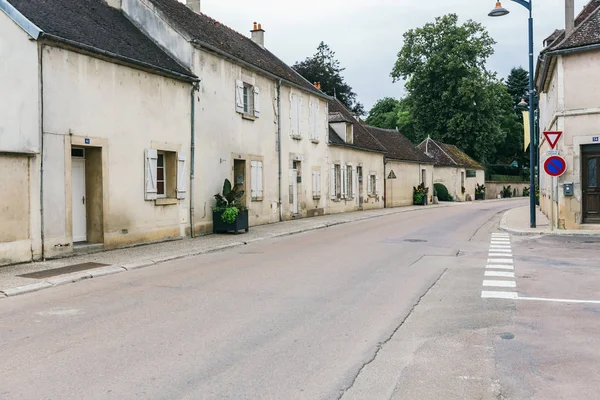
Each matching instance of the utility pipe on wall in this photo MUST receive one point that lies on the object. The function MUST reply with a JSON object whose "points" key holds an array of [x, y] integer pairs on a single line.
{"points": [[41, 123], [279, 203], [195, 88]]}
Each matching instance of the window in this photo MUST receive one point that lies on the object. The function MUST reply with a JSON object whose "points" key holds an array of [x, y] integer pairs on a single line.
{"points": [[256, 178], [373, 184], [349, 134], [316, 176], [314, 120], [247, 99], [160, 176], [349, 183], [335, 188], [165, 174], [471, 173], [424, 177], [295, 113]]}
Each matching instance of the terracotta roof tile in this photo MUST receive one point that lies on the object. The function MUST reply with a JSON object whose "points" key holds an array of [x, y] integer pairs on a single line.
{"points": [[362, 137], [398, 146], [447, 155]]}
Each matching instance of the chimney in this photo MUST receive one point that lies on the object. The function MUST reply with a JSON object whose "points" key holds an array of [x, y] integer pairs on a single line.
{"points": [[193, 5], [114, 4], [258, 35], [569, 16]]}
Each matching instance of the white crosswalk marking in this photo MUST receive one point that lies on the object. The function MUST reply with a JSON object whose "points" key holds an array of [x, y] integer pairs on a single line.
{"points": [[500, 274], [511, 284], [500, 265]]}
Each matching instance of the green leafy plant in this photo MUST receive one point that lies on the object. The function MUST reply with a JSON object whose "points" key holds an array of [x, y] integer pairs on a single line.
{"points": [[506, 192], [420, 193], [525, 191], [442, 192], [479, 189], [229, 202], [463, 190]]}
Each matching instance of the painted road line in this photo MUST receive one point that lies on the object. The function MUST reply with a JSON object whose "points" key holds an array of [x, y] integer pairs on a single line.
{"points": [[560, 300], [499, 246], [511, 284], [500, 274], [500, 261], [492, 254], [500, 266], [500, 235], [500, 242], [499, 295]]}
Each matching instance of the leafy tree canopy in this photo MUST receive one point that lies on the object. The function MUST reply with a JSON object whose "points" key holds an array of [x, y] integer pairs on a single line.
{"points": [[389, 113], [323, 67], [451, 94]]}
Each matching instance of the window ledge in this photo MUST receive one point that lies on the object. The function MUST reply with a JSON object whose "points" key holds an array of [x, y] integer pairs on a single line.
{"points": [[257, 199], [248, 117], [296, 137], [316, 197], [165, 202], [315, 141]]}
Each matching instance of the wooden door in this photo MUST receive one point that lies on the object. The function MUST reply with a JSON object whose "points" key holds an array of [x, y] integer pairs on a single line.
{"points": [[78, 200], [590, 187]]}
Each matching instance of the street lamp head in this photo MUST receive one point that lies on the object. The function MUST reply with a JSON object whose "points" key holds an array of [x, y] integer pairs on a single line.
{"points": [[523, 104], [499, 11]]}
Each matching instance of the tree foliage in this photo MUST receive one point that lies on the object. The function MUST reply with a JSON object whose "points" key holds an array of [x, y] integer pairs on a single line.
{"points": [[517, 84], [451, 94], [389, 113], [323, 67]]}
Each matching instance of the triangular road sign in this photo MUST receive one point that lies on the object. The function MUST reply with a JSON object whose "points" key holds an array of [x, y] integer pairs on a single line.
{"points": [[552, 138]]}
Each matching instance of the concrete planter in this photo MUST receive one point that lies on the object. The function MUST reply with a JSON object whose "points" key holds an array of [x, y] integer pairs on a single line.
{"points": [[480, 196], [241, 223]]}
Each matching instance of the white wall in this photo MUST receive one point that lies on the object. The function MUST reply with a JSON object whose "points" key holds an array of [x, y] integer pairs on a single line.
{"points": [[399, 191], [124, 111], [19, 112], [370, 163]]}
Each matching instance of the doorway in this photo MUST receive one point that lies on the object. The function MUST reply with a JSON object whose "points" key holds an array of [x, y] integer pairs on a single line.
{"points": [[239, 178], [78, 205], [294, 190], [590, 188]]}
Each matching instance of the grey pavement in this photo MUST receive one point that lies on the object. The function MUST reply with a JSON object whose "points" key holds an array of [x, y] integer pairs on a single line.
{"points": [[382, 308], [12, 283], [517, 222]]}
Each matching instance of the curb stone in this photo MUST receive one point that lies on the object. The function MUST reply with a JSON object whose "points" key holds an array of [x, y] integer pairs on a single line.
{"points": [[34, 287], [525, 232], [69, 278], [104, 271], [137, 265]]}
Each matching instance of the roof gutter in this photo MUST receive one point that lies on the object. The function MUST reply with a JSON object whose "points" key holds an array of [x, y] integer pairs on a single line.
{"points": [[209, 47], [131, 61], [353, 147]]}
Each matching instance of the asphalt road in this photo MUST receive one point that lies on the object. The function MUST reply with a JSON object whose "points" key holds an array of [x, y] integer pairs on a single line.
{"points": [[388, 308]]}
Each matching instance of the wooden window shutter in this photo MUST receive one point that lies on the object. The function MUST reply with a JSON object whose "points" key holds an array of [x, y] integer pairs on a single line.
{"points": [[181, 175], [354, 182], [376, 185], [239, 96], [259, 179], [318, 183], [332, 185], [256, 102], [151, 162], [344, 183], [253, 179]]}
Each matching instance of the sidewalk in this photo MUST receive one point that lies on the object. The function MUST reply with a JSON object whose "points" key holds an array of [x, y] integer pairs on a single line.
{"points": [[121, 260], [516, 221]]}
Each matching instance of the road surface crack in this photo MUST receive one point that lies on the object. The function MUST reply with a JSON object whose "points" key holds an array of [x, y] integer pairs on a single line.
{"points": [[380, 345]]}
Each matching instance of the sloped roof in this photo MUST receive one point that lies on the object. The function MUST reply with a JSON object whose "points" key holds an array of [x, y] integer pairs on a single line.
{"points": [[447, 155], [362, 137], [586, 30], [206, 30], [398, 146], [338, 117], [93, 25]]}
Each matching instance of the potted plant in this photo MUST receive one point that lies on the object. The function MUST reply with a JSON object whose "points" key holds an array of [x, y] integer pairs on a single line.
{"points": [[420, 195], [526, 192], [229, 214], [480, 192], [506, 192]]}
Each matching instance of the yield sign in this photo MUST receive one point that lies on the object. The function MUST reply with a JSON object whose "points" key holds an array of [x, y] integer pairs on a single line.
{"points": [[552, 138]]}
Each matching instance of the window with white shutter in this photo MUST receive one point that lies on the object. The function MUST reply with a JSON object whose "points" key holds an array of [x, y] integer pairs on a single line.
{"points": [[256, 102], [344, 183], [376, 185], [295, 115], [151, 164], [316, 175], [256, 180], [332, 185], [314, 118], [239, 96], [373, 186], [181, 175], [350, 180], [247, 99]]}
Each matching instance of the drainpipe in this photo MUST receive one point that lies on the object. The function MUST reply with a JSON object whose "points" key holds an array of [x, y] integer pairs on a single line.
{"points": [[195, 88], [279, 145], [41, 116], [384, 183]]}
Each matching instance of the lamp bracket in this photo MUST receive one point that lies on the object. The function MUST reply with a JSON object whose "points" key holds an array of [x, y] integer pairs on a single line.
{"points": [[524, 3]]}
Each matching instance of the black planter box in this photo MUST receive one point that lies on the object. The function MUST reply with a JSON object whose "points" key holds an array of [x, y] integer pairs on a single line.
{"points": [[479, 196], [421, 203], [241, 223]]}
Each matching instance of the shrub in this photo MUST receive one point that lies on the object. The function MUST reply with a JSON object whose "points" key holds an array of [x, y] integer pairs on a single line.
{"points": [[419, 193], [442, 192], [506, 192], [525, 191]]}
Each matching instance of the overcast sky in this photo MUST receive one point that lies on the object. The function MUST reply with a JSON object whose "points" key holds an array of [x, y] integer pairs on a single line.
{"points": [[367, 34]]}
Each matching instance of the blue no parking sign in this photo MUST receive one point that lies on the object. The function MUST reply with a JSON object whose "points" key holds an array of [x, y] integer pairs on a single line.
{"points": [[555, 166]]}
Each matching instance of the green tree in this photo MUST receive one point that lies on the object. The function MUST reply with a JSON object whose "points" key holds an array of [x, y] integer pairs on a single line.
{"points": [[518, 85], [451, 94], [323, 67], [389, 113]]}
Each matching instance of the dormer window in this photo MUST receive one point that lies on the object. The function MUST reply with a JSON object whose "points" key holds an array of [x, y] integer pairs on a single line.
{"points": [[349, 134]]}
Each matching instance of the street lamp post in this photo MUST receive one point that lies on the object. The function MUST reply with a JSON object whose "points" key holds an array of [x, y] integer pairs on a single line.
{"points": [[498, 12]]}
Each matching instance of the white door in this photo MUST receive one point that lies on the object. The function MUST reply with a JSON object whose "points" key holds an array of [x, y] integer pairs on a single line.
{"points": [[79, 200], [294, 193]]}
